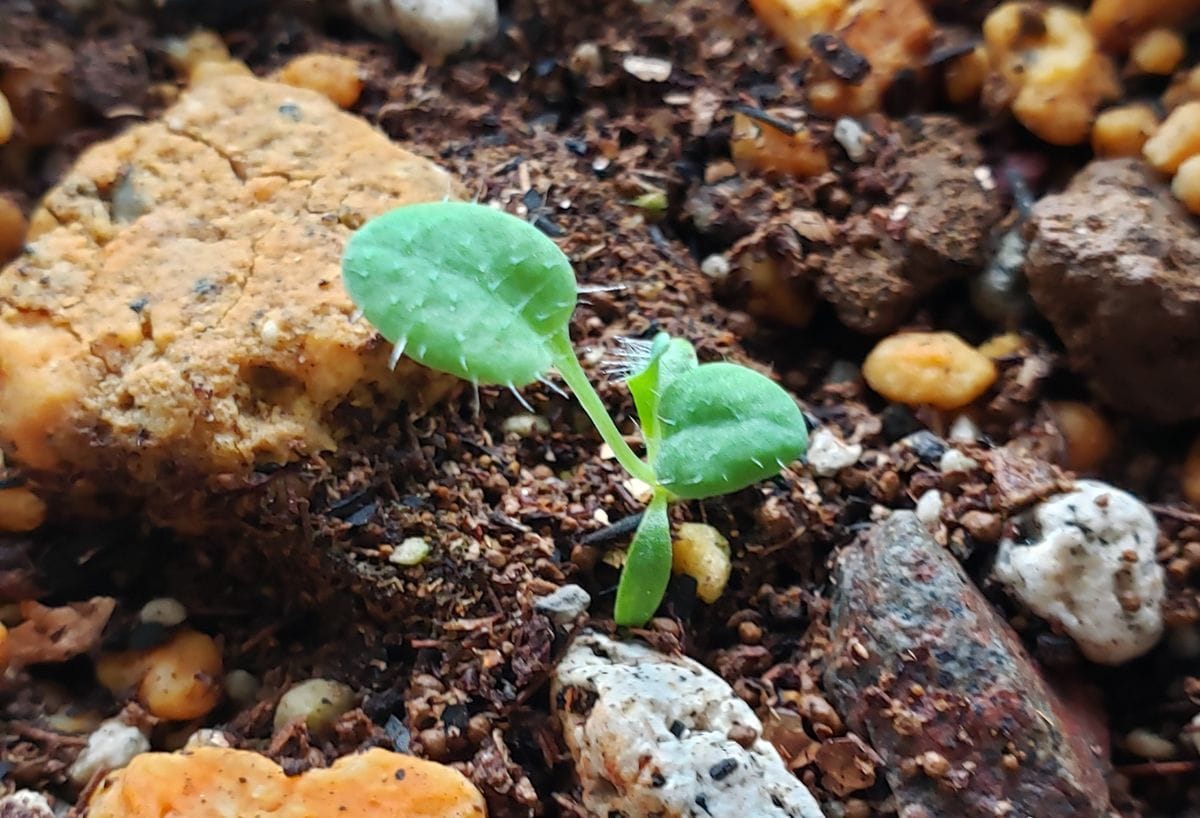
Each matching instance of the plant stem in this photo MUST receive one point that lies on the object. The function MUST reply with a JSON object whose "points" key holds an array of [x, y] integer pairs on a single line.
{"points": [[577, 379]]}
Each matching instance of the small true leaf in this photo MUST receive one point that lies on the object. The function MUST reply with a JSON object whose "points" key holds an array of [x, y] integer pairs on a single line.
{"points": [[725, 427], [669, 358], [647, 566], [463, 288]]}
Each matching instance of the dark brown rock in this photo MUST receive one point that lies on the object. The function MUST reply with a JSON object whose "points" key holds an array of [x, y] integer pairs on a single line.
{"points": [[935, 229], [1112, 264], [936, 680]]}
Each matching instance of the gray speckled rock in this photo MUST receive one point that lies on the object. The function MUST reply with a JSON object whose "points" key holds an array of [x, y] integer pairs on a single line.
{"points": [[664, 736], [926, 669]]}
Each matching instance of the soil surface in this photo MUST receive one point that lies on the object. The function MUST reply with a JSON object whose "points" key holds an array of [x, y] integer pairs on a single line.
{"points": [[451, 659]]}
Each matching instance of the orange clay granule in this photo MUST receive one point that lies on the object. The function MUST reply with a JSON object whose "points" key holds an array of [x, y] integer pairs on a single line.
{"points": [[935, 368]]}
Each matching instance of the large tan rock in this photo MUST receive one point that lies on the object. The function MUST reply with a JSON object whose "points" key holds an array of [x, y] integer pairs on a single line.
{"points": [[213, 782], [178, 312]]}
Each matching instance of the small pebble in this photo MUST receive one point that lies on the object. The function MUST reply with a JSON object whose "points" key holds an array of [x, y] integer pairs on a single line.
{"points": [[934, 368], [929, 509], [1175, 140], [934, 764], [1186, 184], [413, 551], [318, 702], [850, 135], [749, 633], [1087, 437], [586, 59], [1146, 744], [20, 510], [715, 267], [1053, 80], [73, 720], [201, 46], [181, 680], [770, 293], [640, 489], [983, 526], [525, 424], [270, 332], [965, 75], [827, 454], [954, 462], [564, 605], [25, 804], [111, 747], [163, 611], [1194, 733], [963, 430], [338, 78], [647, 69], [700, 551], [207, 737], [241, 686], [1158, 51], [1090, 567], [1124, 130], [434, 28], [925, 445], [755, 145], [176, 681]]}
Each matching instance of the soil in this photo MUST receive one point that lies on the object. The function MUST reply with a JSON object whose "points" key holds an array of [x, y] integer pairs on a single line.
{"points": [[450, 657]]}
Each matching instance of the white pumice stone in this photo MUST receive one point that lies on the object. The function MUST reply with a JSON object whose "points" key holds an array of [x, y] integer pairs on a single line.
{"points": [[163, 611], [1088, 564], [661, 735], [827, 454], [25, 804], [434, 28], [112, 746], [929, 509]]}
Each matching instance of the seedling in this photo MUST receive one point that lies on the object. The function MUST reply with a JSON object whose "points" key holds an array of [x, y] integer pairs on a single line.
{"points": [[474, 292]]}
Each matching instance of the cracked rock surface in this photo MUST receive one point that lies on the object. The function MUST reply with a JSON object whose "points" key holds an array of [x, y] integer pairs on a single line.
{"points": [[178, 311]]}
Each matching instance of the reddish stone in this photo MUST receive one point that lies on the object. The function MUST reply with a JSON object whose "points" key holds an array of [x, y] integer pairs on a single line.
{"points": [[925, 665]]}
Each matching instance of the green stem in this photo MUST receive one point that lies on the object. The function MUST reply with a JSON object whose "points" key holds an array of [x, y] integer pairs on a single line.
{"points": [[568, 366]]}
